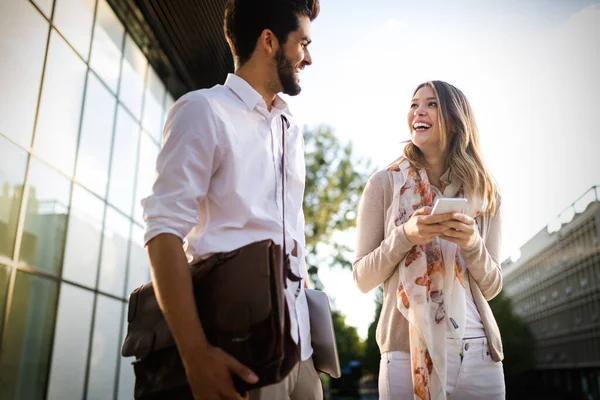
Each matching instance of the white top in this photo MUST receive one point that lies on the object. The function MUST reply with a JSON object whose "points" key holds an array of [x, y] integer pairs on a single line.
{"points": [[219, 181], [473, 325]]}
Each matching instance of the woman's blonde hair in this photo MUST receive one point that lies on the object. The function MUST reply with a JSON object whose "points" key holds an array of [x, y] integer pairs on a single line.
{"points": [[459, 139]]}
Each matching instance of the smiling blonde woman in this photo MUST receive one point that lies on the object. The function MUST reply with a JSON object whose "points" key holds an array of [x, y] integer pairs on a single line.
{"points": [[437, 334]]}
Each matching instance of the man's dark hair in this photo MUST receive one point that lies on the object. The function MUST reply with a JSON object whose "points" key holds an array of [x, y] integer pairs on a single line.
{"points": [[246, 19]]}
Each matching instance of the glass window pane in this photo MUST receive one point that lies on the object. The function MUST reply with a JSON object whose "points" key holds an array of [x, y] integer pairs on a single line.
{"points": [[96, 137], [4, 279], [74, 19], [24, 360], [146, 174], [106, 48], [83, 238], [153, 105], [20, 23], [139, 267], [13, 161], [71, 342], [46, 218], [126, 375], [114, 253], [124, 157], [105, 348], [169, 101], [132, 77], [60, 107]]}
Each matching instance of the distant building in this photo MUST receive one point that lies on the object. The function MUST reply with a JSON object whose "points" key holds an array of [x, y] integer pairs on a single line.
{"points": [[555, 288]]}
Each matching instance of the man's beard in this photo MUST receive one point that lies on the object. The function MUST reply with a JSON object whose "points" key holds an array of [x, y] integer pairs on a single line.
{"points": [[285, 73]]}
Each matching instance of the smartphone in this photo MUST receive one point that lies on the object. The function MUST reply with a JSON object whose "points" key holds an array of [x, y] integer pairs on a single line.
{"points": [[443, 206]]}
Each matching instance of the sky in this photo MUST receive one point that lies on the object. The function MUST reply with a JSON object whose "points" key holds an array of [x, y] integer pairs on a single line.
{"points": [[530, 69]]}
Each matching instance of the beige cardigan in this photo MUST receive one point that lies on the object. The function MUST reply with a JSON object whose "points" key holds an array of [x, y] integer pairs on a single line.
{"points": [[380, 250]]}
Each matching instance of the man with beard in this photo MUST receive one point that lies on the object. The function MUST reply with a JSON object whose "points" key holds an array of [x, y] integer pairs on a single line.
{"points": [[218, 188]]}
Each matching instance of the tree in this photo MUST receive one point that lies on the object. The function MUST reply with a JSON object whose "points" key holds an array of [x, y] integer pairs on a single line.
{"points": [[335, 179], [349, 345], [371, 355], [517, 340]]}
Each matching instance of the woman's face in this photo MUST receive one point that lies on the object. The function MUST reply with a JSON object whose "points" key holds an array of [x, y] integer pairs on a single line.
{"points": [[423, 120]]}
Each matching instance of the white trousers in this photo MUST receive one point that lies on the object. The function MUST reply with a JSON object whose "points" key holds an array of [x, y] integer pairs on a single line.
{"points": [[472, 374]]}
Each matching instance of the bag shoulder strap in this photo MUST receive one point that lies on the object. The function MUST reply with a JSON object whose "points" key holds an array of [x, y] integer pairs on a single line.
{"points": [[284, 125]]}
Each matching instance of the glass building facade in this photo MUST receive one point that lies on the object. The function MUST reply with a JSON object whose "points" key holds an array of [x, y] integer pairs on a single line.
{"points": [[81, 114]]}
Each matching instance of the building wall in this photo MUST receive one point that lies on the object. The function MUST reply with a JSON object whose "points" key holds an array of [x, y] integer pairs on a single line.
{"points": [[555, 288], [81, 112]]}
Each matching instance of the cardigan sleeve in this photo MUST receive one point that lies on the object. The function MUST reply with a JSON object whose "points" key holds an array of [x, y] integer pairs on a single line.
{"points": [[482, 259], [377, 256]]}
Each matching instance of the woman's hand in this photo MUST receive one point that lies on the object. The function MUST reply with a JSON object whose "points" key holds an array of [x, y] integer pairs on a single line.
{"points": [[422, 227], [461, 230]]}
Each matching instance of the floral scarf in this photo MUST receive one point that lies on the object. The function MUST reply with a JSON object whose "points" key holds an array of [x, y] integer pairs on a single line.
{"points": [[431, 290]]}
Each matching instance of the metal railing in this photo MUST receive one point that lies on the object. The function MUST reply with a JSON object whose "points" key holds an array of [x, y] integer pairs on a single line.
{"points": [[577, 207]]}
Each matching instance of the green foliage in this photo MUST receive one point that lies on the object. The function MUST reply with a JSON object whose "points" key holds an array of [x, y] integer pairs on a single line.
{"points": [[349, 345], [516, 338], [335, 179], [371, 356]]}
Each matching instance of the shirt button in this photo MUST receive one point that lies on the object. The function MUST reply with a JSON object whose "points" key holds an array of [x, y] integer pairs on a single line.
{"points": [[466, 346]]}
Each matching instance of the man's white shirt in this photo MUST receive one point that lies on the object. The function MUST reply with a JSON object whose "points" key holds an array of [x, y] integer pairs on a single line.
{"points": [[218, 184]]}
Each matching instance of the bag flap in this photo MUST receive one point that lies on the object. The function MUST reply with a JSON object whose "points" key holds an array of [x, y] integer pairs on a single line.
{"points": [[237, 294]]}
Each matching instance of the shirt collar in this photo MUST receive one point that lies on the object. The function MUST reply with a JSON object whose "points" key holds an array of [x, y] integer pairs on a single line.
{"points": [[452, 184], [250, 96], [446, 177]]}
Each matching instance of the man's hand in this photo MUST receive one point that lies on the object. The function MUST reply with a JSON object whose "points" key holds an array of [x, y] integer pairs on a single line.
{"points": [[461, 230], [210, 370], [422, 227]]}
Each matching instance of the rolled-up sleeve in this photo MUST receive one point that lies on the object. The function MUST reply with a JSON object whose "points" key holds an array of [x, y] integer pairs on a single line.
{"points": [[185, 164]]}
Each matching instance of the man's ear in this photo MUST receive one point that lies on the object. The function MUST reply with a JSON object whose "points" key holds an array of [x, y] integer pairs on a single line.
{"points": [[268, 41]]}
